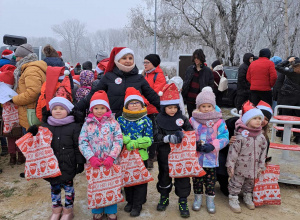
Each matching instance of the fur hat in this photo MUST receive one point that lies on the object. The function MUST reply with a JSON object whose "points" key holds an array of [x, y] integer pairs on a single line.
{"points": [[169, 95], [99, 98], [61, 101], [265, 108], [206, 96], [116, 54], [23, 50], [132, 94], [49, 51], [154, 59], [249, 111], [8, 54]]}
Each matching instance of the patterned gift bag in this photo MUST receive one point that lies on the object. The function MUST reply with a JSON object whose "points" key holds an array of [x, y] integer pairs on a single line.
{"points": [[40, 159], [104, 186], [10, 117], [183, 160], [134, 171], [266, 189]]}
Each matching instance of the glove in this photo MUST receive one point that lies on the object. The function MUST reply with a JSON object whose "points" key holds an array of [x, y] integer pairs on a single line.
{"points": [[108, 162], [95, 162], [33, 130], [207, 148], [80, 168], [179, 134], [144, 142], [133, 144], [126, 139]]}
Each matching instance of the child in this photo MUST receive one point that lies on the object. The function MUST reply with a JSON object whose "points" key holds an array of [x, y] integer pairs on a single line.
{"points": [[137, 133], [100, 142], [246, 156], [65, 147], [212, 136], [179, 83], [86, 80], [170, 123]]}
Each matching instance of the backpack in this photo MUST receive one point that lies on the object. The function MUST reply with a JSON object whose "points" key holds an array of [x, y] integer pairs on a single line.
{"points": [[223, 84]]}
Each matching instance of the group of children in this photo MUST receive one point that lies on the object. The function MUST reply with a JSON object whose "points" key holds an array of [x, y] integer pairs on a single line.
{"points": [[102, 137]]}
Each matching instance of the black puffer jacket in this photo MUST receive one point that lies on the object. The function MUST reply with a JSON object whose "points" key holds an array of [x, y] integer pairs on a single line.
{"points": [[243, 86], [65, 146], [54, 61], [116, 92], [206, 78], [283, 68]]}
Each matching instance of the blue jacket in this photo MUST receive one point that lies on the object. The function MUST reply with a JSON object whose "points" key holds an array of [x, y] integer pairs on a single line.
{"points": [[4, 61]]}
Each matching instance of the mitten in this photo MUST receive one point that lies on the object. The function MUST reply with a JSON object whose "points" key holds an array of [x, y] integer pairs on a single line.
{"points": [[80, 168], [144, 142], [108, 162], [95, 162], [33, 130], [133, 144], [126, 139], [207, 148], [179, 135], [174, 139]]}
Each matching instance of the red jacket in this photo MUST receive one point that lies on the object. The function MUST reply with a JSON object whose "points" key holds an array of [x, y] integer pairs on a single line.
{"points": [[157, 86], [261, 74]]}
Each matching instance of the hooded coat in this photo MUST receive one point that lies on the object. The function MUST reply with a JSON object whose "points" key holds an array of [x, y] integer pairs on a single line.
{"points": [[243, 86]]}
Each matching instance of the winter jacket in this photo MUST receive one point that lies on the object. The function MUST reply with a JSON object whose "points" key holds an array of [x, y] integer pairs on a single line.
{"points": [[206, 79], [33, 75], [86, 80], [137, 129], [218, 72], [157, 86], [248, 153], [243, 86], [54, 61], [289, 72], [261, 74], [65, 147], [115, 84], [100, 139], [4, 61]]}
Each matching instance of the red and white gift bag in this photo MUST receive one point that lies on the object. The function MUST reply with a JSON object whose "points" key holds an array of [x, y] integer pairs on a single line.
{"points": [[10, 117], [266, 189], [133, 168], [40, 159], [104, 186], [183, 159]]}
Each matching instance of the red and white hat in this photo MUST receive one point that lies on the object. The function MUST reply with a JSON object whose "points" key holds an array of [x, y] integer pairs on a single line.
{"points": [[249, 111], [133, 94], [115, 55], [8, 54], [265, 108], [99, 98], [59, 53], [169, 95], [7, 75]]}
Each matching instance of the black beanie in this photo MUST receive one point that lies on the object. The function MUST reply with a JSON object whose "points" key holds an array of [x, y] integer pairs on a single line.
{"points": [[153, 58], [87, 65], [267, 113], [215, 63], [265, 53]]}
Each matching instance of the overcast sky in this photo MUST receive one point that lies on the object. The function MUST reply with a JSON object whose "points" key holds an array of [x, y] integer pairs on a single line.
{"points": [[34, 18]]}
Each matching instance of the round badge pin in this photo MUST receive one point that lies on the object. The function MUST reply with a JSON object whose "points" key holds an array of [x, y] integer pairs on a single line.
{"points": [[118, 80], [245, 133], [179, 122], [210, 123]]}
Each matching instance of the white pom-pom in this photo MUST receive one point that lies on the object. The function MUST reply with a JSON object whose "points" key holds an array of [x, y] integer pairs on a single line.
{"points": [[207, 89], [160, 93], [240, 112], [67, 72]]}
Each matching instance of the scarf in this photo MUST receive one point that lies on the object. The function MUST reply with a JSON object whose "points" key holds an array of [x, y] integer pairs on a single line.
{"points": [[240, 127], [202, 118], [134, 115], [60, 122], [168, 122], [123, 68], [17, 73], [149, 71], [107, 114]]}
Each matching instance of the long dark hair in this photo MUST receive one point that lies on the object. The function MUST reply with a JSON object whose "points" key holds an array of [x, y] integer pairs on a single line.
{"points": [[200, 55]]}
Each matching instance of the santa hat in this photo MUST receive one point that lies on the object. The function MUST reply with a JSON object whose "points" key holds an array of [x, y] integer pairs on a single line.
{"points": [[61, 101], [249, 111], [7, 75], [169, 95], [99, 98], [115, 55], [265, 108], [206, 96], [59, 53], [132, 94], [8, 54], [77, 64], [76, 79]]}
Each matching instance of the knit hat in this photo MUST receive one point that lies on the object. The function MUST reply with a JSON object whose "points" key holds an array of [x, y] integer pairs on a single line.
{"points": [[61, 101], [7, 75], [59, 53], [99, 98], [206, 96], [87, 65], [23, 50], [116, 54], [154, 59], [8, 54], [169, 95], [276, 60], [249, 111], [101, 55], [215, 63], [265, 53], [132, 94], [265, 108]]}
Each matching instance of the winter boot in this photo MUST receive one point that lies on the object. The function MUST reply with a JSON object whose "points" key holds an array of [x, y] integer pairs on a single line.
{"points": [[56, 213], [150, 164], [163, 203], [248, 201], [98, 216], [183, 208], [67, 214], [21, 158], [4, 151], [197, 202], [13, 159], [128, 207], [234, 204], [112, 217], [210, 204], [136, 210]]}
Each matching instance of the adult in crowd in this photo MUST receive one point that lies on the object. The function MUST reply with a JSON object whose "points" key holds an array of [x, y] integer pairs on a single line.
{"points": [[6, 57], [156, 79], [218, 71], [262, 77], [102, 62], [87, 65], [52, 57], [121, 73], [243, 86], [197, 76], [279, 82], [77, 69]]}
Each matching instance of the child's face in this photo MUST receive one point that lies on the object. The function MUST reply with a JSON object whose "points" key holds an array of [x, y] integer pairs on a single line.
{"points": [[99, 110], [254, 122], [59, 112], [206, 107], [265, 122], [127, 60], [171, 110], [135, 106]]}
